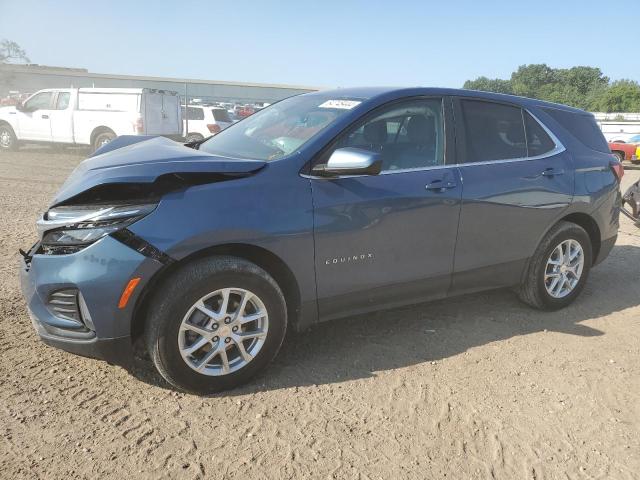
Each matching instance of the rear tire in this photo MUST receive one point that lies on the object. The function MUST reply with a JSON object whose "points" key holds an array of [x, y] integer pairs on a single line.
{"points": [[173, 319], [538, 289], [8, 139], [102, 139]]}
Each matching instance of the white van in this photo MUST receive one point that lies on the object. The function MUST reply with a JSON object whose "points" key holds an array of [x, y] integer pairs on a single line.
{"points": [[90, 116]]}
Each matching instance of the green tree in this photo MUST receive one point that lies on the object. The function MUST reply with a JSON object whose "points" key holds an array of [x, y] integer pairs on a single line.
{"points": [[581, 86], [11, 52], [621, 96], [489, 85]]}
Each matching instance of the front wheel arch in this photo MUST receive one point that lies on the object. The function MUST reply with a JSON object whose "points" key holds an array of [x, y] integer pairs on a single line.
{"points": [[263, 258]]}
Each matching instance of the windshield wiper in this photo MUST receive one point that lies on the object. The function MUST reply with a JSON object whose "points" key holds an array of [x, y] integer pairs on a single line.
{"points": [[196, 143]]}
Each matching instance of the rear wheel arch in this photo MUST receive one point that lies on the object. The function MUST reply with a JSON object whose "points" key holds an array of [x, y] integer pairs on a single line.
{"points": [[98, 131], [581, 219], [590, 226], [263, 258]]}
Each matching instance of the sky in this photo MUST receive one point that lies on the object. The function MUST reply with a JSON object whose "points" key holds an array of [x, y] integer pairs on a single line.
{"points": [[328, 43]]}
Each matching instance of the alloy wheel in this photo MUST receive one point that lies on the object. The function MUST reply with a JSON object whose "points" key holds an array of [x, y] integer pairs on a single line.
{"points": [[223, 331], [564, 268]]}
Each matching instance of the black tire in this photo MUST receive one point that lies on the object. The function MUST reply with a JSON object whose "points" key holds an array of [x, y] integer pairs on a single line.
{"points": [[193, 137], [533, 291], [619, 156], [8, 139], [181, 291], [102, 138]]}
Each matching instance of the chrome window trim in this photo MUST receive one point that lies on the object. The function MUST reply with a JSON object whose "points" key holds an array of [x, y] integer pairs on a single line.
{"points": [[559, 148]]}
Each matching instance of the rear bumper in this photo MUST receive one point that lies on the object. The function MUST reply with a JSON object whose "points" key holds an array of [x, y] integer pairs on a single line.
{"points": [[605, 249]]}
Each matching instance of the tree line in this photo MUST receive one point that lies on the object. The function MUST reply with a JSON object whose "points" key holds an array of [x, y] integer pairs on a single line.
{"points": [[582, 87]]}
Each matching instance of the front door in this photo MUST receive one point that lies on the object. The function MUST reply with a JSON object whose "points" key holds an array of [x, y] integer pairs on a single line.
{"points": [[517, 182], [34, 120], [388, 239]]}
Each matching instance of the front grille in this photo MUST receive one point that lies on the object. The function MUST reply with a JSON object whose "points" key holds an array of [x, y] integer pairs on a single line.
{"points": [[64, 304]]}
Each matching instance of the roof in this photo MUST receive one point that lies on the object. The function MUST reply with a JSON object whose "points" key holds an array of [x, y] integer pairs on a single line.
{"points": [[372, 92]]}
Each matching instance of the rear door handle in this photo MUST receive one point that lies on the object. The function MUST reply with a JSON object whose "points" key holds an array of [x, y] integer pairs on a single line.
{"points": [[440, 185], [552, 172], [45, 116]]}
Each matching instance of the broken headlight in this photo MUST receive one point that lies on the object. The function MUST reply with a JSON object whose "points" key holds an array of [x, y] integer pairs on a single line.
{"points": [[69, 229]]}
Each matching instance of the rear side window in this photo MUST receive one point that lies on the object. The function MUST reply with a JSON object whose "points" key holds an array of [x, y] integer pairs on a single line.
{"points": [[582, 126], [220, 115], [538, 141], [63, 101], [193, 113], [493, 131]]}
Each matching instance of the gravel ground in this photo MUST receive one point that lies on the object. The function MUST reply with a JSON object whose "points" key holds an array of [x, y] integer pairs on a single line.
{"points": [[476, 387]]}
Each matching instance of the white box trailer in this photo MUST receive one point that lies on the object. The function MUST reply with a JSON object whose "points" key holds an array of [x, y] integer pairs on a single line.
{"points": [[92, 116]]}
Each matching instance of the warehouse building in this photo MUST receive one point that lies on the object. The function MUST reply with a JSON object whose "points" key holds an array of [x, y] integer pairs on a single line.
{"points": [[21, 79]]}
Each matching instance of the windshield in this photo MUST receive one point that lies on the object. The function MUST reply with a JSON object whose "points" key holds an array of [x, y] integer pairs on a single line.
{"points": [[279, 129]]}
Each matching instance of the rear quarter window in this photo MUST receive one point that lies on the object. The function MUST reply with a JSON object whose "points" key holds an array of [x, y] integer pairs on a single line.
{"points": [[582, 126], [221, 115]]}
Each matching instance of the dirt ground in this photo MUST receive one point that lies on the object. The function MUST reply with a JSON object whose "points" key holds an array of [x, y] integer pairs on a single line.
{"points": [[474, 387]]}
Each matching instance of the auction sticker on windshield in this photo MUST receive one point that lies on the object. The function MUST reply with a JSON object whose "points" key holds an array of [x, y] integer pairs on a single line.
{"points": [[342, 104]]}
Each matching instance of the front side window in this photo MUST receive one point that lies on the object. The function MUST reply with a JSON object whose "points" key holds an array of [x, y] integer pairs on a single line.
{"points": [[63, 100], [493, 131], [40, 101], [280, 129], [408, 135]]}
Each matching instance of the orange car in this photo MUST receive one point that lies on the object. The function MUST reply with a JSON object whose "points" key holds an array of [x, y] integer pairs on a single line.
{"points": [[624, 151]]}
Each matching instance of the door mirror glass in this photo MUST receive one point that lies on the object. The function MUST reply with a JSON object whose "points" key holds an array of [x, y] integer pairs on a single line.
{"points": [[351, 161]]}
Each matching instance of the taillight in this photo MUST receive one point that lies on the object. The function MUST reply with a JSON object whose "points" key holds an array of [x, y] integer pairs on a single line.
{"points": [[618, 169], [213, 128], [138, 126]]}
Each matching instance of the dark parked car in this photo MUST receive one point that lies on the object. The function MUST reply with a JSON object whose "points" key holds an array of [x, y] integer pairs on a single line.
{"points": [[318, 207]]}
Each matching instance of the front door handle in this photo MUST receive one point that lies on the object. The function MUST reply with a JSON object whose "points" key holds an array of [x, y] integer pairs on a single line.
{"points": [[552, 172], [45, 117], [440, 185]]}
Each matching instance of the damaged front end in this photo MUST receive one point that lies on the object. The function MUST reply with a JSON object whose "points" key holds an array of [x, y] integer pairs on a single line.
{"points": [[84, 276], [631, 204], [122, 184]]}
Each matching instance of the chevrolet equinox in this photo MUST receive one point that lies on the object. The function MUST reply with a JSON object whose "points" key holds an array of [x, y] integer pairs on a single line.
{"points": [[321, 206]]}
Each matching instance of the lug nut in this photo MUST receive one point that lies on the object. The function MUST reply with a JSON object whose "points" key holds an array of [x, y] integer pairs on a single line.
{"points": [[227, 320], [214, 326], [215, 339], [227, 340], [235, 329]]}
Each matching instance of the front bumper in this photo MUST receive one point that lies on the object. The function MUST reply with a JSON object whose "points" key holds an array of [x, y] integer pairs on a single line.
{"points": [[99, 273]]}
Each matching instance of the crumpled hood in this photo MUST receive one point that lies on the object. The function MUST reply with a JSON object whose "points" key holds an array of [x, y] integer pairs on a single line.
{"points": [[143, 159]]}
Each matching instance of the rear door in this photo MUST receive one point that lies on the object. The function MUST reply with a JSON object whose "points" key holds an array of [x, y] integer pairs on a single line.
{"points": [[518, 180], [388, 239], [61, 117], [161, 114]]}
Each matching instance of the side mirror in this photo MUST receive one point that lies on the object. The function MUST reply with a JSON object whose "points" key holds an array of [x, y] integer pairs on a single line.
{"points": [[20, 107], [350, 161]]}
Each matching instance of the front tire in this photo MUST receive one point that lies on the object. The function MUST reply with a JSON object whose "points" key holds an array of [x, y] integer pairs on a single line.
{"points": [[193, 137], [558, 270], [8, 139], [214, 324]]}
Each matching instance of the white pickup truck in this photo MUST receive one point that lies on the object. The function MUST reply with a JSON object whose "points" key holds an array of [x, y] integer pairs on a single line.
{"points": [[90, 116]]}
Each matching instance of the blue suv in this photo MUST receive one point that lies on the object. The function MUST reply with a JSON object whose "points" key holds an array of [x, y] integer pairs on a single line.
{"points": [[319, 207]]}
